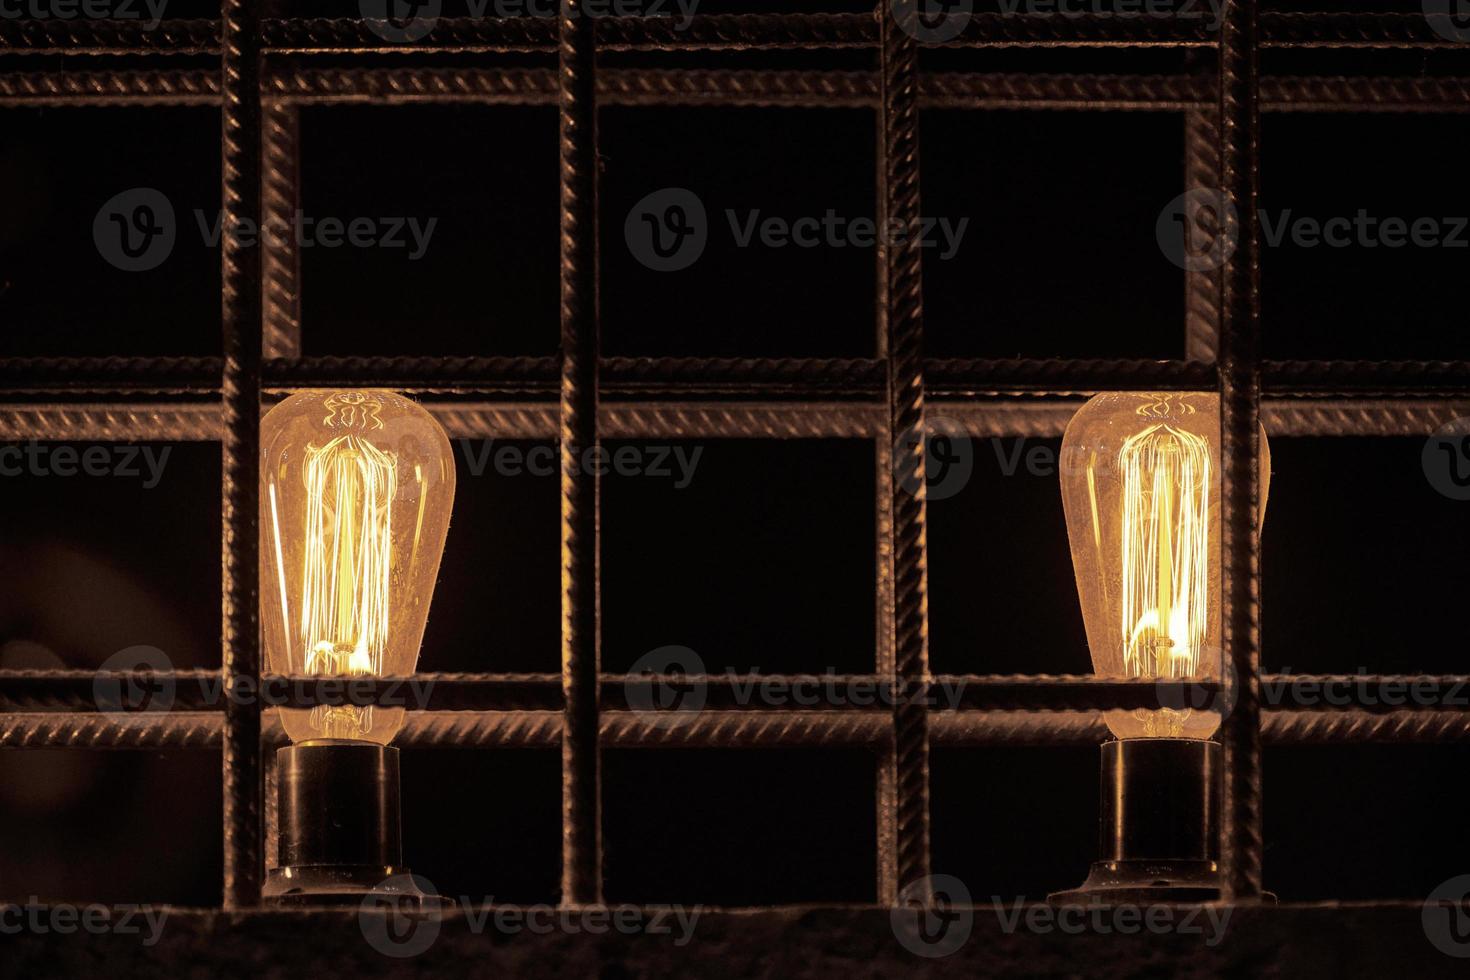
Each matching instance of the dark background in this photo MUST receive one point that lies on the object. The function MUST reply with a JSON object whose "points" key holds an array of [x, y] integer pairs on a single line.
{"points": [[766, 560]]}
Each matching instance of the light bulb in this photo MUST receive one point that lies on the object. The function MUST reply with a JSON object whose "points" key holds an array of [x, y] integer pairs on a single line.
{"points": [[1140, 475], [356, 488]]}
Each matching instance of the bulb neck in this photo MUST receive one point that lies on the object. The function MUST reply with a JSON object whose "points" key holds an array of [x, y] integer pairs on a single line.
{"points": [[338, 823], [1159, 835]]}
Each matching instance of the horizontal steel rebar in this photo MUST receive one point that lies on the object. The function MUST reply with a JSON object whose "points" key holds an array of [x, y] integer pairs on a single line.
{"points": [[69, 378], [717, 31], [716, 729], [115, 691], [669, 87], [672, 419]]}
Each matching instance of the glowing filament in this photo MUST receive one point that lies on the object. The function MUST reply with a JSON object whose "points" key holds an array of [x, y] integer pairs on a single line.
{"points": [[1165, 546], [350, 485]]}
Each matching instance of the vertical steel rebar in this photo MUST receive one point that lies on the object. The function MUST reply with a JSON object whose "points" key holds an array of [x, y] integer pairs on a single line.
{"points": [[884, 663], [281, 258], [1201, 286], [905, 335], [240, 310], [581, 810], [1240, 393]]}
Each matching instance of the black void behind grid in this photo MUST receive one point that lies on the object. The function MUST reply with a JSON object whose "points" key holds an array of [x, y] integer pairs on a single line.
{"points": [[269, 68]]}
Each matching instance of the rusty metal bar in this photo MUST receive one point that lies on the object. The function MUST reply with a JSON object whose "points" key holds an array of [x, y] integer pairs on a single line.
{"points": [[734, 32], [83, 378], [1042, 418], [720, 729], [240, 431], [812, 89], [1201, 286], [884, 654], [281, 258], [581, 878], [904, 320], [195, 690], [1242, 843]]}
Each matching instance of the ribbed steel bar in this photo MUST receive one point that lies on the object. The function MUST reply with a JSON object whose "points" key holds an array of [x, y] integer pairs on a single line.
{"points": [[734, 32], [904, 319], [94, 36], [884, 654], [581, 878], [111, 692], [1041, 418], [815, 89], [808, 31], [718, 729], [112, 730], [1201, 286], [110, 88], [1242, 843], [125, 692], [78, 379], [1406, 29], [281, 259], [240, 450]]}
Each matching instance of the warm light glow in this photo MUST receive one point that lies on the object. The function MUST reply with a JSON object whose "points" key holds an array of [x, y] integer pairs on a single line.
{"points": [[1141, 488], [1166, 491], [357, 488]]}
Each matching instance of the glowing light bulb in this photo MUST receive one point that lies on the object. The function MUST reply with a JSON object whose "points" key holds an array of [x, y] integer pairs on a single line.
{"points": [[356, 492], [1140, 476]]}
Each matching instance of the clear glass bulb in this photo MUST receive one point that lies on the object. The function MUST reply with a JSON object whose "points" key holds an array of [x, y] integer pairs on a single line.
{"points": [[356, 487], [1140, 475]]}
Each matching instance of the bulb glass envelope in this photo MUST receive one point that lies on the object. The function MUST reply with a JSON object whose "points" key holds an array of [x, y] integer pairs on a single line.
{"points": [[356, 488], [1140, 475]]}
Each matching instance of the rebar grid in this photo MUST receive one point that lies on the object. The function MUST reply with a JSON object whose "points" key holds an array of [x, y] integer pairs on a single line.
{"points": [[271, 67]]}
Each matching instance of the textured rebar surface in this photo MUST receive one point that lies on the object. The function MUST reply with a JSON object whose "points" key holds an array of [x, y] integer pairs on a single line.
{"points": [[737, 87], [108, 36], [335, 36], [904, 319], [1240, 391], [1201, 286], [719, 729], [280, 198], [76, 378], [581, 878], [885, 777], [240, 450], [86, 690], [127, 87], [1036, 418]]}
